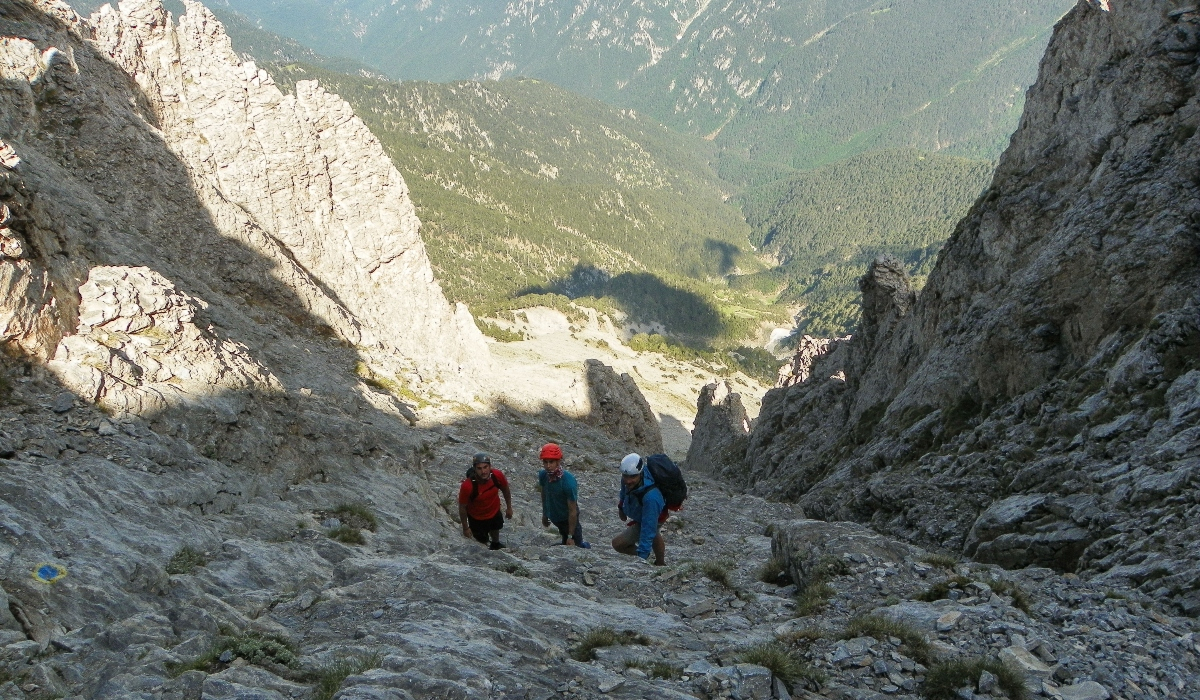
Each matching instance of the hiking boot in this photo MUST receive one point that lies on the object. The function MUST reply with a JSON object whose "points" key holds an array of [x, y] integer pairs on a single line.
{"points": [[585, 545], [496, 545]]}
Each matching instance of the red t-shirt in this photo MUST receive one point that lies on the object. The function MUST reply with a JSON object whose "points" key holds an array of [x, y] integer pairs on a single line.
{"points": [[486, 503]]}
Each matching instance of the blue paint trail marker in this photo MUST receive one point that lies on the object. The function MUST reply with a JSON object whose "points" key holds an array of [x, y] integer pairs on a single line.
{"points": [[49, 573]]}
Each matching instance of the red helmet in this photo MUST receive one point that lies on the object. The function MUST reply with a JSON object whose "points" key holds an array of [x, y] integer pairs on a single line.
{"points": [[551, 451]]}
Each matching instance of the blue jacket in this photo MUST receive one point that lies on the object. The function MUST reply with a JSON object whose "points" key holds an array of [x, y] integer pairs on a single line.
{"points": [[643, 505]]}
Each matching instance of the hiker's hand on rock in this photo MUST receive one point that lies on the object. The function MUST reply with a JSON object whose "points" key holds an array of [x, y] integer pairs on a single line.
{"points": [[466, 532]]}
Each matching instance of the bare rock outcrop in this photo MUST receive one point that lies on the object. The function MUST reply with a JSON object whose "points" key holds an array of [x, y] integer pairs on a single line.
{"points": [[808, 350], [721, 432], [617, 407], [1051, 354], [138, 350], [149, 144]]}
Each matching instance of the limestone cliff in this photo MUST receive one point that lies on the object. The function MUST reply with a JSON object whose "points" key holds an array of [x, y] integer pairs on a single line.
{"points": [[1037, 403], [146, 144]]}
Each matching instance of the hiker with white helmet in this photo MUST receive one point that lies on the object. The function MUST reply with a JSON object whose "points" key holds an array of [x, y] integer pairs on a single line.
{"points": [[642, 504]]}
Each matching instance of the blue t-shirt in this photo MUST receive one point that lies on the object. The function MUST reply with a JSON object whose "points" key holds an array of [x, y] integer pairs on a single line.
{"points": [[555, 496]]}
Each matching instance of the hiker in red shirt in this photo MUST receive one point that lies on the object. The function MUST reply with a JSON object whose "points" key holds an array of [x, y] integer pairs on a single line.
{"points": [[479, 502]]}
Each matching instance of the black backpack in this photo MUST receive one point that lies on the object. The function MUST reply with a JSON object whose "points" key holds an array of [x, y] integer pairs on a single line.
{"points": [[668, 480], [475, 484]]}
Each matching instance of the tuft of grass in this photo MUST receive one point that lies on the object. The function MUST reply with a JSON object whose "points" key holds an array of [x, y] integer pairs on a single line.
{"points": [[355, 515], [783, 665], [329, 678], [943, 561], [1019, 598], [941, 589], [813, 598], [829, 566], [801, 639], [657, 669], [185, 561], [347, 535], [882, 628], [258, 649], [717, 572], [605, 637], [774, 571], [947, 677], [514, 568]]}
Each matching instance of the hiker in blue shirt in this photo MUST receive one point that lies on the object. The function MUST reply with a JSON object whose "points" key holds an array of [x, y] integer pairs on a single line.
{"points": [[560, 497], [643, 504]]}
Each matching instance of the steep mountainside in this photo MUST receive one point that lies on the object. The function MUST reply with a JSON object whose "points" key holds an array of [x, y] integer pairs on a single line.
{"points": [[1037, 402], [518, 182], [791, 82], [824, 226], [240, 509], [297, 212]]}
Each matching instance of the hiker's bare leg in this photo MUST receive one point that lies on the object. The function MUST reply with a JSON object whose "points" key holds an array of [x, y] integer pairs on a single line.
{"points": [[626, 542], [660, 551], [494, 535]]}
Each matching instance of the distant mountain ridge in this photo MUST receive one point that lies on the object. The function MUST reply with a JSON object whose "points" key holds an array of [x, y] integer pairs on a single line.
{"points": [[795, 83]]}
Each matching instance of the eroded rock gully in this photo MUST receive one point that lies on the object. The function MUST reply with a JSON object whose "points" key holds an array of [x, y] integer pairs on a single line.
{"points": [[216, 295], [1036, 403]]}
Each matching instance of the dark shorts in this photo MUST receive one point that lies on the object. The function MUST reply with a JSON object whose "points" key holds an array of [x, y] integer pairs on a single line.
{"points": [[577, 535], [481, 528]]}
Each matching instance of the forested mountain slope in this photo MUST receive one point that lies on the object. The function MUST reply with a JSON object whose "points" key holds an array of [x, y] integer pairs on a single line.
{"points": [[798, 83], [824, 226], [522, 186]]}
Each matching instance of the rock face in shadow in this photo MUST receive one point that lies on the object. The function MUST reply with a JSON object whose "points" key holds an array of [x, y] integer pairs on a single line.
{"points": [[618, 408], [722, 429], [1054, 350]]}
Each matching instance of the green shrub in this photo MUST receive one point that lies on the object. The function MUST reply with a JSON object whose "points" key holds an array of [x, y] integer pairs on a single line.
{"points": [[604, 637], [491, 330], [783, 665], [329, 678], [185, 561], [347, 535], [258, 649], [947, 677], [882, 628]]}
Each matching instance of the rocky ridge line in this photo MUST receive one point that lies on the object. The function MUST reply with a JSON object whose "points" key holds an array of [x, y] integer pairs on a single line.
{"points": [[1036, 404]]}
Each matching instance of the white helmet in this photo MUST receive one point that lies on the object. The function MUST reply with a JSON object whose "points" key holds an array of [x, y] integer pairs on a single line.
{"points": [[631, 465]]}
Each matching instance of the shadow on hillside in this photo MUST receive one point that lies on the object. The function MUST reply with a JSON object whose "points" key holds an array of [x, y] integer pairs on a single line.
{"points": [[726, 254], [644, 297]]}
